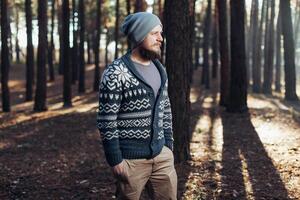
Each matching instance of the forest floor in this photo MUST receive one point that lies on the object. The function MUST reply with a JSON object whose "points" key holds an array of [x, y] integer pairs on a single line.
{"points": [[57, 154]]}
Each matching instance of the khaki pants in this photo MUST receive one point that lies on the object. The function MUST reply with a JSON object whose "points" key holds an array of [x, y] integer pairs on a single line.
{"points": [[160, 173]]}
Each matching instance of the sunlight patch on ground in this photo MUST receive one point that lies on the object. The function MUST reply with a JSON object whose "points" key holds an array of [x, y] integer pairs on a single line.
{"points": [[246, 177], [194, 95]]}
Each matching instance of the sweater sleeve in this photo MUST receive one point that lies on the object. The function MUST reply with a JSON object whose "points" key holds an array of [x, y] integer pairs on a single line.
{"points": [[110, 96], [167, 121]]}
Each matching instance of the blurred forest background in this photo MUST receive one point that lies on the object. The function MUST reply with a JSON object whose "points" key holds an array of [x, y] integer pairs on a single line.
{"points": [[234, 74]]}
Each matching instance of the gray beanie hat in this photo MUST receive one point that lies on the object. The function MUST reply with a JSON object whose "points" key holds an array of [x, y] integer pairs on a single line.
{"points": [[136, 26]]}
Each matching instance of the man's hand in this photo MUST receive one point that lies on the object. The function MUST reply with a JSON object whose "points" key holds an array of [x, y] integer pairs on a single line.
{"points": [[120, 172]]}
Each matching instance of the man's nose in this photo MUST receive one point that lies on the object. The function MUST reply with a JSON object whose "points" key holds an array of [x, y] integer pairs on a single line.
{"points": [[160, 38]]}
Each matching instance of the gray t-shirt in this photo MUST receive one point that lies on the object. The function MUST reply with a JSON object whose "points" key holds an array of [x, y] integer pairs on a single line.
{"points": [[151, 75]]}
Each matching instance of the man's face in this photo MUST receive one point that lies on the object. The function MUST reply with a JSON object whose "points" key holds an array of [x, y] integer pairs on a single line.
{"points": [[150, 47]]}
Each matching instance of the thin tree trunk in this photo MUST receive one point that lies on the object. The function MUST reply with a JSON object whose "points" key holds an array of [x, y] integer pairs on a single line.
{"points": [[81, 83], [29, 52], [106, 46], [257, 63], [289, 51], [41, 86], [215, 45], [5, 65], [128, 9], [178, 62], [138, 6], [266, 44], [268, 72], [59, 26], [51, 45], [74, 59], [17, 39], [278, 54], [224, 52], [238, 83], [297, 22], [206, 35], [88, 41], [248, 36], [67, 92], [97, 45], [117, 29], [254, 21]]}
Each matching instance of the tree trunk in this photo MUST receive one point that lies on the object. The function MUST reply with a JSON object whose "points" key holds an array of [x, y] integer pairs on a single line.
{"points": [[139, 6], [289, 51], [106, 46], [117, 29], [41, 86], [59, 27], [215, 45], [128, 9], [178, 63], [256, 87], [29, 52], [266, 44], [238, 83], [74, 59], [17, 39], [297, 23], [278, 54], [248, 36], [254, 21], [51, 45], [5, 65], [206, 43], [224, 52], [268, 69], [67, 92], [97, 45], [81, 82], [88, 41]]}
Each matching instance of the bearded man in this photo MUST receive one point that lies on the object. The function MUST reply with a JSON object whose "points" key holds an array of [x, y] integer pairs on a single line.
{"points": [[134, 117]]}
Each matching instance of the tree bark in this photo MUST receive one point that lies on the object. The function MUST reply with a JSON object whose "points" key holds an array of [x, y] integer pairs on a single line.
{"points": [[97, 45], [29, 52], [5, 65], [278, 54], [81, 82], [215, 45], [268, 69], [51, 45], [289, 51], [41, 85], [238, 83], [224, 52], [117, 28], [17, 47], [128, 9], [178, 63], [74, 59], [206, 43], [67, 91], [257, 63]]}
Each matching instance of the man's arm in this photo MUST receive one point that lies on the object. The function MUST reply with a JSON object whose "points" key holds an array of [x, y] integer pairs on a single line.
{"points": [[167, 120], [110, 96]]}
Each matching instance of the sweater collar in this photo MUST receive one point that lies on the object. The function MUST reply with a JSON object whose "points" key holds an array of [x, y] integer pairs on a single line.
{"points": [[127, 60]]}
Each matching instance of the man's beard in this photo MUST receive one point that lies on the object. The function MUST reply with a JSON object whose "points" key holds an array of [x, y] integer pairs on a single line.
{"points": [[150, 54]]}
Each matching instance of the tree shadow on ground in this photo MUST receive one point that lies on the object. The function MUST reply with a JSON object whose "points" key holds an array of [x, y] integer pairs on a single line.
{"points": [[205, 104], [54, 158], [244, 157]]}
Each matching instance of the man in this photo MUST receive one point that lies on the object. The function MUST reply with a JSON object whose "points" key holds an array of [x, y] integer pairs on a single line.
{"points": [[134, 118]]}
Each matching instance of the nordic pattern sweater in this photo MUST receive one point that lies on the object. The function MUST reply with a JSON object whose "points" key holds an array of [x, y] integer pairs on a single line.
{"points": [[133, 123]]}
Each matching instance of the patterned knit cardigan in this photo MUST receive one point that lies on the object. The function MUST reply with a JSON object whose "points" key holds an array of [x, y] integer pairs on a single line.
{"points": [[132, 122]]}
